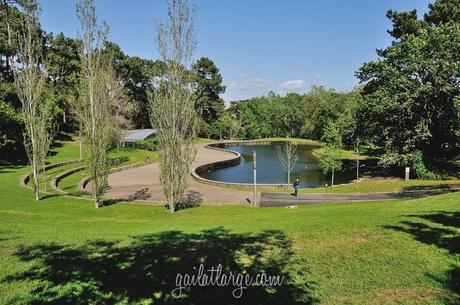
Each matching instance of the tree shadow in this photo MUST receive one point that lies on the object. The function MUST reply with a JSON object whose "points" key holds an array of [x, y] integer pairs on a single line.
{"points": [[441, 230], [443, 186], [142, 194], [146, 270], [118, 160], [48, 195], [8, 169], [6, 236], [61, 136], [54, 145], [191, 200], [445, 168]]}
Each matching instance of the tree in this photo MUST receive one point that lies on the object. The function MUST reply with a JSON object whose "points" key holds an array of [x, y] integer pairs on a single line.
{"points": [[9, 120], [136, 75], [11, 23], [410, 91], [99, 94], [329, 160], [357, 150], [172, 104], [224, 127], [208, 85], [63, 69], [30, 85], [332, 136], [287, 155]]}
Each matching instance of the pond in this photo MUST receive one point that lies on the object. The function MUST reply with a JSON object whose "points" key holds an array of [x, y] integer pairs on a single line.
{"points": [[270, 170]]}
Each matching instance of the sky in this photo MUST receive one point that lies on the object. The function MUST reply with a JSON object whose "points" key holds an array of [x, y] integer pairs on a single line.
{"points": [[258, 45]]}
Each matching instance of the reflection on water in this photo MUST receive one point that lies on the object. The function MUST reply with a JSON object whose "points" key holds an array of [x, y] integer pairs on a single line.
{"points": [[270, 170]]}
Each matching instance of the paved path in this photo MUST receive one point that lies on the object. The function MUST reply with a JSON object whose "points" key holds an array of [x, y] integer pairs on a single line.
{"points": [[283, 199], [143, 183]]}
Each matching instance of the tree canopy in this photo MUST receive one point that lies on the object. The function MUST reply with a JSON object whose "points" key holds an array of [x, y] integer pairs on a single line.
{"points": [[410, 92], [208, 85]]}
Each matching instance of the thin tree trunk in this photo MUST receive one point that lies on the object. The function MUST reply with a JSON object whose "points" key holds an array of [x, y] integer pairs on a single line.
{"points": [[332, 180], [357, 173], [8, 64], [36, 182], [96, 197], [172, 106]]}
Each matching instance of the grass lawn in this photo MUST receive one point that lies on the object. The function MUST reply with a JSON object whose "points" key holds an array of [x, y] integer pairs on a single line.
{"points": [[364, 186], [63, 251], [385, 185], [69, 150]]}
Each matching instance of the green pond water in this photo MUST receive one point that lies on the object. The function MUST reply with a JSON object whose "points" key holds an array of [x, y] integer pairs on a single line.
{"points": [[270, 170]]}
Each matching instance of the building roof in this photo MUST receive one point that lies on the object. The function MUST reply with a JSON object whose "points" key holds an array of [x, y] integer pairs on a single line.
{"points": [[138, 134]]}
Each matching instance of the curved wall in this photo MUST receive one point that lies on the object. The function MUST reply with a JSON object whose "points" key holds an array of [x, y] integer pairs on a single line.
{"points": [[229, 162]]}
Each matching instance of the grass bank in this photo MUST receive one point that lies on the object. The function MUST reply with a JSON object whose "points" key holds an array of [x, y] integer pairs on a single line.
{"points": [[63, 251]]}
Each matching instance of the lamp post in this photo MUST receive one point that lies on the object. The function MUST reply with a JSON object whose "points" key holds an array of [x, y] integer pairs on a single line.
{"points": [[254, 166]]}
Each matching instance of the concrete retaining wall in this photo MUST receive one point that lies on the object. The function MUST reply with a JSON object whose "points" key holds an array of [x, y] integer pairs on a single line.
{"points": [[55, 181], [230, 162], [25, 179], [84, 182]]}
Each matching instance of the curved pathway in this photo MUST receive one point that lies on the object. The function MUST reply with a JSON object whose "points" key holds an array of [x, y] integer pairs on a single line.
{"points": [[143, 183]]}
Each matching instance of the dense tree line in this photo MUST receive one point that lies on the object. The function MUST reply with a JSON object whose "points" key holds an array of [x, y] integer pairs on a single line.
{"points": [[407, 107], [294, 115], [412, 92], [61, 55]]}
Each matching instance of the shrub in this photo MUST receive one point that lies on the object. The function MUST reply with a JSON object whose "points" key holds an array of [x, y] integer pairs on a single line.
{"points": [[148, 144], [420, 169]]}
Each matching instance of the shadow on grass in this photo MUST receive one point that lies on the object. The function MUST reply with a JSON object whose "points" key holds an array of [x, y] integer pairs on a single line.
{"points": [[6, 235], [145, 271], [442, 186], [47, 196], [63, 137], [441, 230], [192, 199], [8, 169], [55, 144], [118, 160]]}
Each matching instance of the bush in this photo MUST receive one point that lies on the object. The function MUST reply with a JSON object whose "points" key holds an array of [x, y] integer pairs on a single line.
{"points": [[149, 144], [420, 169]]}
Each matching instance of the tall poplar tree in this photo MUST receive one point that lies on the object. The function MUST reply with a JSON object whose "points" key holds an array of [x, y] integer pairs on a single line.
{"points": [[99, 94], [172, 103], [30, 81]]}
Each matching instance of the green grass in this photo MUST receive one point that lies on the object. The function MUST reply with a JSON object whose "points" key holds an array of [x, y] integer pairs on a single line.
{"points": [[385, 185], [64, 150], [366, 185], [62, 250], [132, 155], [69, 150], [298, 140], [204, 140]]}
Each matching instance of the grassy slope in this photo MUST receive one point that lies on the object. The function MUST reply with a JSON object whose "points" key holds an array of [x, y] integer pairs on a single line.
{"points": [[404, 252], [69, 150]]}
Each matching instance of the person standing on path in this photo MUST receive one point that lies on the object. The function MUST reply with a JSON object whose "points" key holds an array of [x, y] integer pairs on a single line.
{"points": [[296, 186]]}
